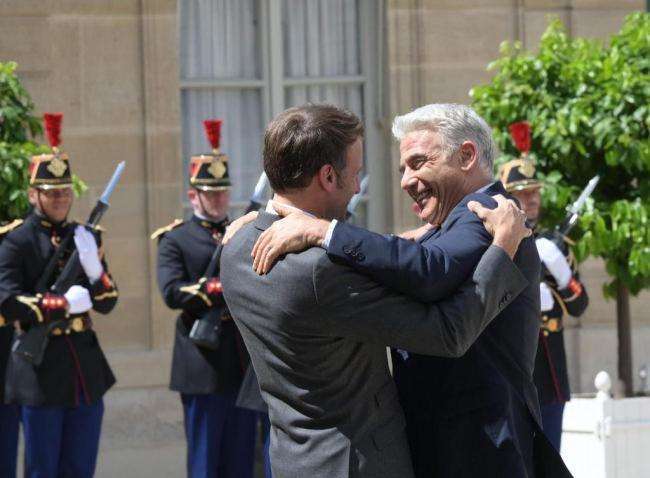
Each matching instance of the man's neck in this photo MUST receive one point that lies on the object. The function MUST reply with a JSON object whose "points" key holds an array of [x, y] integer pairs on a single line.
{"points": [[299, 202], [479, 183], [469, 187], [205, 217]]}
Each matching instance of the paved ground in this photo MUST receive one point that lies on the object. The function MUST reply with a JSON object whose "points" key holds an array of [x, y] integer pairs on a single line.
{"points": [[157, 462], [142, 436]]}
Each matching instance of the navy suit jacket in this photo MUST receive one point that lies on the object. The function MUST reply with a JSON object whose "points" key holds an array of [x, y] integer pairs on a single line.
{"points": [[495, 376]]}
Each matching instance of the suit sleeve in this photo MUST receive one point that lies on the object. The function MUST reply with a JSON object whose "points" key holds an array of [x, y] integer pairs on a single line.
{"points": [[355, 306], [177, 290], [428, 272]]}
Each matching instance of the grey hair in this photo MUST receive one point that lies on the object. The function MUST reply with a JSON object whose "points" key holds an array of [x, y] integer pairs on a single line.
{"points": [[455, 123]]}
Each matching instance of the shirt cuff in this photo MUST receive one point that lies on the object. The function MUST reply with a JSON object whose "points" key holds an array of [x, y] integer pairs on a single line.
{"points": [[328, 235]]}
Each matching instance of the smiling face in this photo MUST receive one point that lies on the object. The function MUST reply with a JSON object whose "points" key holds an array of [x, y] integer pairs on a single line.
{"points": [[54, 204], [433, 178]]}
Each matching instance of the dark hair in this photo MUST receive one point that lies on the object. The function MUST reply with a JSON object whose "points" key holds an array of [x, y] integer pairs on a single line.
{"points": [[301, 140]]}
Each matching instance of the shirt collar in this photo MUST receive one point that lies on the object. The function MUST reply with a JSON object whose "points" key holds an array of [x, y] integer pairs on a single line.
{"points": [[271, 210]]}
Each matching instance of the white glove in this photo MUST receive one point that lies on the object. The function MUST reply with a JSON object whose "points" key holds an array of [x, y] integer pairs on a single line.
{"points": [[554, 261], [79, 299], [545, 297], [88, 255]]}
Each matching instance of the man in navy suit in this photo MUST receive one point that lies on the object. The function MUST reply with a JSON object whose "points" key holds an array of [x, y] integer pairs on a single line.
{"points": [[477, 415]]}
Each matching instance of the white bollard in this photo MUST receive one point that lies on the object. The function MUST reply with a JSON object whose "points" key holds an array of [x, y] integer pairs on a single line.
{"points": [[603, 383]]}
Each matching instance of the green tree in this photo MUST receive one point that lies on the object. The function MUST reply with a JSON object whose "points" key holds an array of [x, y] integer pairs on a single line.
{"points": [[18, 127], [589, 107]]}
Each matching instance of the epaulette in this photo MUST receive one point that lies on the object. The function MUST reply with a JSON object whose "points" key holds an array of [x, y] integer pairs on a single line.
{"points": [[7, 228], [163, 230]]}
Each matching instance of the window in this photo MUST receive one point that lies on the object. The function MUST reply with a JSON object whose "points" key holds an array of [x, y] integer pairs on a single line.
{"points": [[247, 60]]}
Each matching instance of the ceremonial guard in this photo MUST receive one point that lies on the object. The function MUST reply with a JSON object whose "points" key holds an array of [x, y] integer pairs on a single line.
{"points": [[220, 435], [60, 394], [9, 413], [561, 292]]}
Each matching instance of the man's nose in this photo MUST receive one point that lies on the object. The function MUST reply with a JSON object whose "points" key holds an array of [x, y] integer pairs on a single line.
{"points": [[407, 181]]}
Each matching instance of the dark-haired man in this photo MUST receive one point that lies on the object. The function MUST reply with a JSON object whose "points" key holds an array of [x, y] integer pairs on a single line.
{"points": [[317, 331]]}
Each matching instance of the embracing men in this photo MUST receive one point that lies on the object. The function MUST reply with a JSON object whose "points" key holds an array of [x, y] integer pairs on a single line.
{"points": [[317, 323]]}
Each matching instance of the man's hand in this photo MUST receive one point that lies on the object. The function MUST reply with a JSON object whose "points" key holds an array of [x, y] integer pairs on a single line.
{"points": [[88, 254], [237, 224], [506, 223], [78, 299], [296, 232], [554, 260], [415, 234]]}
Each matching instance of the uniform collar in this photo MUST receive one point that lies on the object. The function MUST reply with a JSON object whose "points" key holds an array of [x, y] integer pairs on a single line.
{"points": [[44, 223]]}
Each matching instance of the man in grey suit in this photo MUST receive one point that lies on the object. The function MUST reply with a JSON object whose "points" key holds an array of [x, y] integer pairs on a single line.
{"points": [[316, 331]]}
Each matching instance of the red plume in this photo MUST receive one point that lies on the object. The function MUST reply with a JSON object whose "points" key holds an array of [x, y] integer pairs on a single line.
{"points": [[520, 133], [213, 131], [53, 128]]}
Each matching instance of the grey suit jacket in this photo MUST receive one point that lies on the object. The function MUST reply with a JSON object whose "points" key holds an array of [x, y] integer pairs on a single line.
{"points": [[317, 334]]}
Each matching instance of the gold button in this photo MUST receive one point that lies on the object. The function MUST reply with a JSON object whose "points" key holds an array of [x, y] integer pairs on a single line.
{"points": [[77, 324], [57, 332]]}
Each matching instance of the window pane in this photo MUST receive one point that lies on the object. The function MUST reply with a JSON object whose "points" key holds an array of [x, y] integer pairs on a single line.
{"points": [[241, 111], [350, 96], [219, 39], [320, 38]]}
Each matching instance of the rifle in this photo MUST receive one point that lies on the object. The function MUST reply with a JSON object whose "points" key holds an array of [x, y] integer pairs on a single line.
{"points": [[206, 329], [573, 213], [32, 344]]}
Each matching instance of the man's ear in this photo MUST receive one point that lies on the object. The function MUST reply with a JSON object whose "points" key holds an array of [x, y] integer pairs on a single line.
{"points": [[468, 156], [32, 196], [327, 177]]}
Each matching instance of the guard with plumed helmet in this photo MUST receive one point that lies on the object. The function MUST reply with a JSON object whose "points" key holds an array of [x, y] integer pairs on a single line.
{"points": [[61, 396], [220, 435], [561, 292]]}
